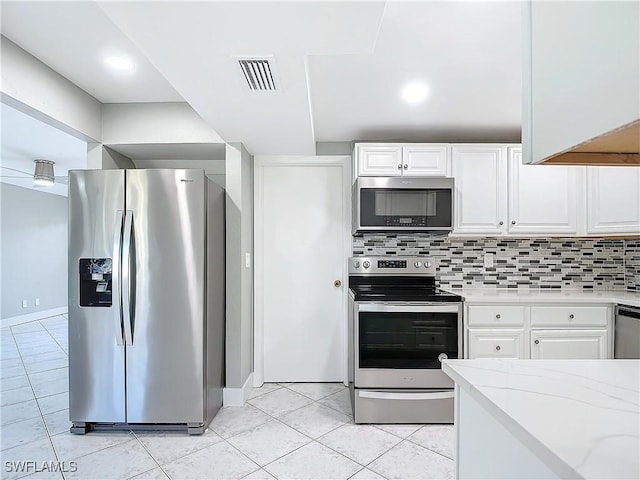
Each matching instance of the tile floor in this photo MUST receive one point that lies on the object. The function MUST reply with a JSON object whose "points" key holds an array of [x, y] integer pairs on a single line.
{"points": [[290, 430]]}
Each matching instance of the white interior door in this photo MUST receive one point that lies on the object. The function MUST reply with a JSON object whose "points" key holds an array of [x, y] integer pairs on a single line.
{"points": [[301, 241]]}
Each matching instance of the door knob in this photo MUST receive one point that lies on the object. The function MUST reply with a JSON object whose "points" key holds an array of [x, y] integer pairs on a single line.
{"points": [[337, 283]]}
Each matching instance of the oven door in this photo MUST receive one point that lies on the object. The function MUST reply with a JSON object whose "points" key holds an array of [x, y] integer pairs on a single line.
{"points": [[400, 345]]}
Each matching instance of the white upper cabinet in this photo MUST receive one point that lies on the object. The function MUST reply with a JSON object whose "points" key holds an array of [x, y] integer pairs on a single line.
{"points": [[581, 80], [613, 200], [424, 159], [480, 173], [542, 199], [379, 159], [394, 160]]}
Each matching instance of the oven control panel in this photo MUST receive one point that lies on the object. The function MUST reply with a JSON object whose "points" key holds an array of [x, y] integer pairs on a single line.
{"points": [[392, 266]]}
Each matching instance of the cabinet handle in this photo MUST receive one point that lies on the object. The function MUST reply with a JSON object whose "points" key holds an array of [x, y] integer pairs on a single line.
{"points": [[498, 316], [501, 223], [497, 347], [399, 166], [513, 222], [536, 342], [406, 166], [571, 317]]}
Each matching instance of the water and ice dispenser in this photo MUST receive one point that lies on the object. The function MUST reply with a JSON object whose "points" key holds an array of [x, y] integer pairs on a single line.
{"points": [[95, 282]]}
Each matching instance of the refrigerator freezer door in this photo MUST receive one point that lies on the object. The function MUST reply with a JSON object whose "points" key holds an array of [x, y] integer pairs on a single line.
{"points": [[96, 361], [165, 361]]}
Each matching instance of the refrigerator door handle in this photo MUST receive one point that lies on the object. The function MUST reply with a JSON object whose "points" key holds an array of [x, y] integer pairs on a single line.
{"points": [[115, 277], [126, 278]]}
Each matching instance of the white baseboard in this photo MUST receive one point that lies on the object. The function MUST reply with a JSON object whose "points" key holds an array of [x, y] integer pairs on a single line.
{"points": [[235, 397], [31, 317]]}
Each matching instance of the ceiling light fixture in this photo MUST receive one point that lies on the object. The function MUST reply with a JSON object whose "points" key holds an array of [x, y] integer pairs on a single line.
{"points": [[122, 64], [43, 175], [415, 92]]}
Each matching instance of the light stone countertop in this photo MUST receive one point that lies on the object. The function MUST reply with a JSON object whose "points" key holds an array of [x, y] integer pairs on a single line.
{"points": [[524, 295], [579, 417]]}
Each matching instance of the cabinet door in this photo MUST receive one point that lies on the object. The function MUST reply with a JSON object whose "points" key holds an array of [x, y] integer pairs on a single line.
{"points": [[580, 81], [379, 160], [568, 344], [425, 159], [498, 343], [480, 175], [542, 198], [613, 200]]}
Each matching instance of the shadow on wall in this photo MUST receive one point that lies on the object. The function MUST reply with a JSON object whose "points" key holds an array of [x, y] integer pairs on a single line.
{"points": [[33, 251]]}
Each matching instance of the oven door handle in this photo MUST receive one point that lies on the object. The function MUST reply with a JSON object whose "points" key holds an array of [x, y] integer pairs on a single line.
{"points": [[406, 396], [402, 307]]}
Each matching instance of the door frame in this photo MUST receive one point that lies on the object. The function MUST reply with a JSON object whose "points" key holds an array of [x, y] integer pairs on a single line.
{"points": [[280, 161]]}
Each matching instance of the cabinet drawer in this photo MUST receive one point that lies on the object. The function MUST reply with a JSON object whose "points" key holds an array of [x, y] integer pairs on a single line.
{"points": [[498, 343], [565, 316], [496, 316]]}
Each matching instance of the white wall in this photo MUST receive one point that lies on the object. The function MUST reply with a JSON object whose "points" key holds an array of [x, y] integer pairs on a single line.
{"points": [[33, 250], [239, 211], [33, 88], [137, 123]]}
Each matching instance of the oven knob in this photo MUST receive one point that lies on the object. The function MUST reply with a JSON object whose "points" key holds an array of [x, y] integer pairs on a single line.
{"points": [[427, 264], [417, 264], [366, 264], [442, 356], [356, 264]]}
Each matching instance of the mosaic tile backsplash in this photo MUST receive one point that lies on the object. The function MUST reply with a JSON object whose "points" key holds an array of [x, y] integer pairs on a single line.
{"points": [[632, 264], [527, 263]]}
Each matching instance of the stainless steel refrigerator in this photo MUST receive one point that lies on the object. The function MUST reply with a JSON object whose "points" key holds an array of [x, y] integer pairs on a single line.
{"points": [[146, 299]]}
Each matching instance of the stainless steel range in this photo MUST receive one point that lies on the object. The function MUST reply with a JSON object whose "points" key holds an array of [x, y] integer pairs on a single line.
{"points": [[401, 326]]}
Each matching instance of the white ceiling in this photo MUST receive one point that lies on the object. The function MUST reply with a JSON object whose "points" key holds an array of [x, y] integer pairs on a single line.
{"points": [[341, 64], [74, 38], [25, 139]]}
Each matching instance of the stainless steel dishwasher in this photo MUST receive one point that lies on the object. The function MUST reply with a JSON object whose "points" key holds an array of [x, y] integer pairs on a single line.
{"points": [[627, 332]]}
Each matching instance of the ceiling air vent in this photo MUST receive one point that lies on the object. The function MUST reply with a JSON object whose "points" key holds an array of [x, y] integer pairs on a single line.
{"points": [[259, 72]]}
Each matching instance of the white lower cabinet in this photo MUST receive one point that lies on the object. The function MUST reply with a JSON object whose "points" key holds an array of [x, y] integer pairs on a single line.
{"points": [[537, 331], [568, 344], [497, 343]]}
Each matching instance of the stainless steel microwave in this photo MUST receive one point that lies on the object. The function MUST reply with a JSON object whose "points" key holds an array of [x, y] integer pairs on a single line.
{"points": [[401, 204]]}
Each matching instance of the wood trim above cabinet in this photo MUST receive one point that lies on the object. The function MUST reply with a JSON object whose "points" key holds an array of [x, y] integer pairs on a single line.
{"points": [[619, 147]]}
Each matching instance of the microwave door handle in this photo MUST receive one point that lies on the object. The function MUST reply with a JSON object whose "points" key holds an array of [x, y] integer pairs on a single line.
{"points": [[406, 395]]}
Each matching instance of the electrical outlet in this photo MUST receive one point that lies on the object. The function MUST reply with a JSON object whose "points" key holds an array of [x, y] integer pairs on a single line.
{"points": [[247, 260], [24, 304], [488, 260], [37, 302]]}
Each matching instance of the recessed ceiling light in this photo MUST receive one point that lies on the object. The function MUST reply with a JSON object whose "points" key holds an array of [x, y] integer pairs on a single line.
{"points": [[123, 64], [415, 92]]}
